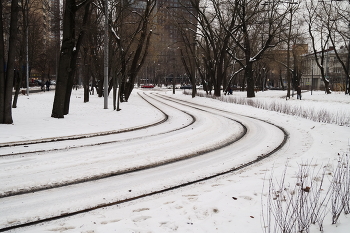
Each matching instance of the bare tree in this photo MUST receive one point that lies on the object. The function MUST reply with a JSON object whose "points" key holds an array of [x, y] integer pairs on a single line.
{"points": [[19, 73], [256, 20], [91, 65], [318, 24], [338, 32], [187, 24], [131, 31], [214, 28], [68, 56], [6, 76]]}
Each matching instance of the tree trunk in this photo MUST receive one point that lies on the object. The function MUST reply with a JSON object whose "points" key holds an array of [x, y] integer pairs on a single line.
{"points": [[325, 81], [75, 53], [2, 69], [128, 89], [17, 87], [19, 75], [86, 85], [281, 79], [8, 77], [66, 55], [100, 88], [86, 74], [250, 80], [86, 80], [217, 86], [194, 88]]}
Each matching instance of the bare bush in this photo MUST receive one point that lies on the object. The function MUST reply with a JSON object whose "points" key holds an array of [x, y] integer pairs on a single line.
{"points": [[280, 208], [293, 208], [340, 188], [322, 115]]}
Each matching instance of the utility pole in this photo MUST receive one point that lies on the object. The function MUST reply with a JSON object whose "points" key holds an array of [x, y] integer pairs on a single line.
{"points": [[106, 58], [347, 87], [312, 77], [27, 49], [288, 47]]}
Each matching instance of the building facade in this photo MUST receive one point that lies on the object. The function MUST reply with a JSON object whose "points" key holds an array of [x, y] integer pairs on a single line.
{"points": [[334, 72], [172, 22]]}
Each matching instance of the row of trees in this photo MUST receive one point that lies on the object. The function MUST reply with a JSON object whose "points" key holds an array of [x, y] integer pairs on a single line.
{"points": [[128, 46], [329, 25], [81, 51], [227, 41], [22, 23], [254, 37]]}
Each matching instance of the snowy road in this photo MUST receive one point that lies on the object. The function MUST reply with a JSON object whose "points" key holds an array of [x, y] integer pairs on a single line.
{"points": [[189, 142]]}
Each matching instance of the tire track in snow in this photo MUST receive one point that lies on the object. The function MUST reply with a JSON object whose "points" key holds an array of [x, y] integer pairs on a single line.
{"points": [[104, 175], [100, 134], [165, 189], [75, 138], [83, 136]]}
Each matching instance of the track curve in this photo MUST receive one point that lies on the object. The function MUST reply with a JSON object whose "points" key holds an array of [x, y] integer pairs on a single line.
{"points": [[184, 166], [64, 142]]}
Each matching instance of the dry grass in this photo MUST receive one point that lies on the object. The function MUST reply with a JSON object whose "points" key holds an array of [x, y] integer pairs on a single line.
{"points": [[317, 115]]}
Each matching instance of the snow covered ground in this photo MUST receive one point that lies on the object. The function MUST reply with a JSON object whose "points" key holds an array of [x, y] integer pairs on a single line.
{"points": [[230, 203]]}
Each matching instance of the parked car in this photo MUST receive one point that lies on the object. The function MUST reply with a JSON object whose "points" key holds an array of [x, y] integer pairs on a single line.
{"points": [[147, 86], [186, 87], [52, 82], [37, 82]]}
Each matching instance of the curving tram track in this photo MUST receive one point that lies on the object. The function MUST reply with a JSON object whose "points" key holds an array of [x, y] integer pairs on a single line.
{"points": [[59, 178]]}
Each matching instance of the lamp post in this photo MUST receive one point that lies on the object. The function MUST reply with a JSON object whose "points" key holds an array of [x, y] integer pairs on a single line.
{"points": [[288, 45], [312, 78], [263, 80], [106, 58], [27, 48], [156, 69], [347, 87]]}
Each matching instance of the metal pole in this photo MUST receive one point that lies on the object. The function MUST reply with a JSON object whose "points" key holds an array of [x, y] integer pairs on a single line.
{"points": [[347, 83], [288, 52], [106, 58], [173, 80], [347, 87], [27, 51], [173, 70], [289, 74], [312, 78]]}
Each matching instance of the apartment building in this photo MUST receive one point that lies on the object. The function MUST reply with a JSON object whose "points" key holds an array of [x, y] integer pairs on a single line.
{"points": [[172, 18]]}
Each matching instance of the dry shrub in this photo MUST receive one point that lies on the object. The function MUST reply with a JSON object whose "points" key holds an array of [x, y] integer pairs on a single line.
{"points": [[292, 208], [322, 115]]}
